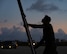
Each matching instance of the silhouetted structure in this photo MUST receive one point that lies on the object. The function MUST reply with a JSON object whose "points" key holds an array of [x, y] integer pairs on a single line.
{"points": [[48, 35]]}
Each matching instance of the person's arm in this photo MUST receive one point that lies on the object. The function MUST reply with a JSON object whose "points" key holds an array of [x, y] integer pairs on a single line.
{"points": [[35, 26]]}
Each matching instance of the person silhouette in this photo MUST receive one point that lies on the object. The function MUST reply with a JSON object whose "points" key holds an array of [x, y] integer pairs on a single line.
{"points": [[48, 36]]}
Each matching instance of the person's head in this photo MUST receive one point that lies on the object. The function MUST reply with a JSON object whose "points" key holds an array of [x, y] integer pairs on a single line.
{"points": [[46, 19]]}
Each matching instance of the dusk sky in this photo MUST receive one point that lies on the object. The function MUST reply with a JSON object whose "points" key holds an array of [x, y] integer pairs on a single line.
{"points": [[35, 10]]}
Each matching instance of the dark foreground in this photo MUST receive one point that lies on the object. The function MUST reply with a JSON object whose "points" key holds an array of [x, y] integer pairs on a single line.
{"points": [[26, 50]]}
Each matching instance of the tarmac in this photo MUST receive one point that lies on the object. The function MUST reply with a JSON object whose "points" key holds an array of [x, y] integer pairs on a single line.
{"points": [[27, 50]]}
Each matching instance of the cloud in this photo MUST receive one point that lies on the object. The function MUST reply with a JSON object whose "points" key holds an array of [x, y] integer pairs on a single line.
{"points": [[4, 21], [61, 34], [15, 33], [61, 31], [41, 7], [12, 34], [21, 24]]}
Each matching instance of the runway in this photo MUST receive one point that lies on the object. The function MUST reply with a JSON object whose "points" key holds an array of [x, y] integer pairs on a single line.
{"points": [[27, 50]]}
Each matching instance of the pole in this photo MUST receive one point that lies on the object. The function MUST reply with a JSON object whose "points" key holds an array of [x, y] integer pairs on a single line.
{"points": [[26, 26]]}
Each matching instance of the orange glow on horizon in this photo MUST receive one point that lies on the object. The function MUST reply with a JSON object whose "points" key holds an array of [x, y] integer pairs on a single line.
{"points": [[55, 27], [63, 27]]}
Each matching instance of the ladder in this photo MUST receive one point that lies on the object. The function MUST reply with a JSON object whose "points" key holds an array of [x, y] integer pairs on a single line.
{"points": [[26, 26]]}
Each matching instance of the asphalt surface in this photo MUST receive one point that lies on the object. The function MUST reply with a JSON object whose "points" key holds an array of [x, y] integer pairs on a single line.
{"points": [[27, 50]]}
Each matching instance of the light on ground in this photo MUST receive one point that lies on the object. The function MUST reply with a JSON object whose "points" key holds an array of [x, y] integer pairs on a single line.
{"points": [[1, 46], [9, 46], [33, 43]]}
